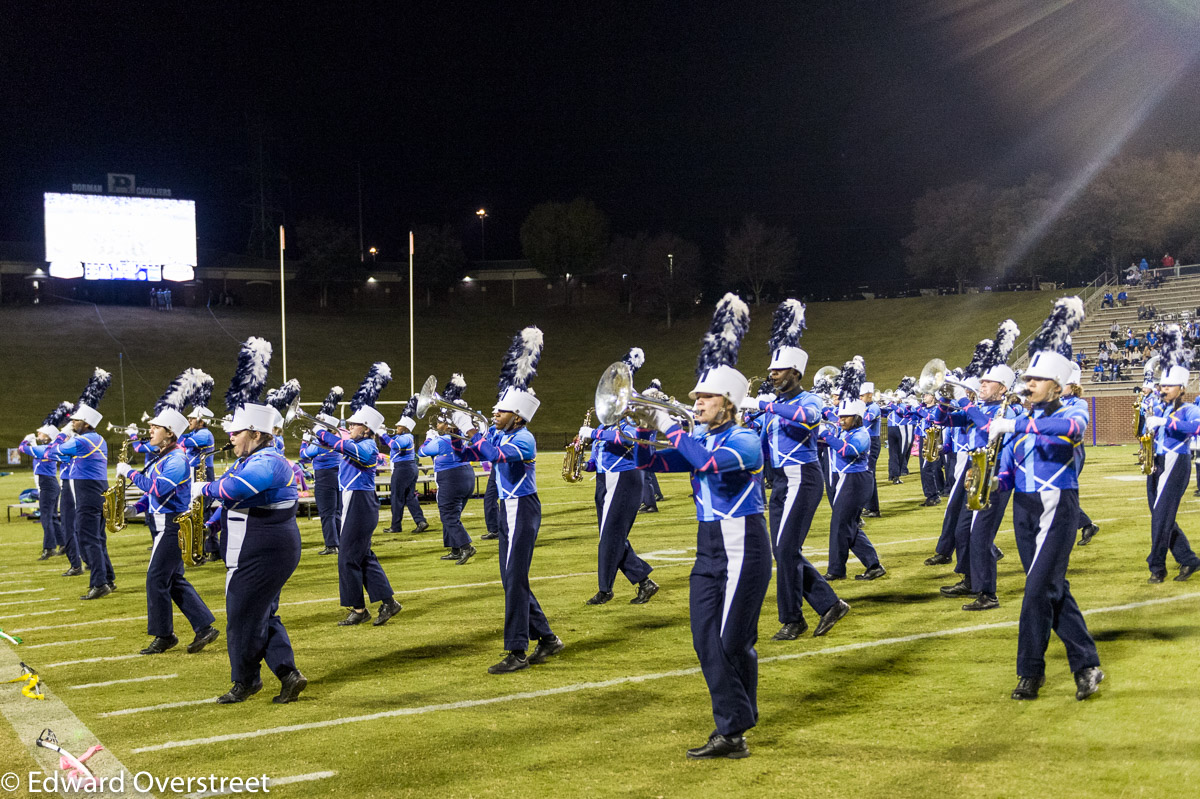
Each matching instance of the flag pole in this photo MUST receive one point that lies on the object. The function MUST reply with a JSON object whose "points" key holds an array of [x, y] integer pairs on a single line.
{"points": [[282, 305], [412, 384]]}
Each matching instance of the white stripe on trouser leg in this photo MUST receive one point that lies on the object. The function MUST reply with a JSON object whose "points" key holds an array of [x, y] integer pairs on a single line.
{"points": [[794, 476], [510, 512], [235, 524], [837, 490], [960, 465], [610, 488], [1168, 464], [1049, 506], [346, 494], [160, 524], [733, 538]]}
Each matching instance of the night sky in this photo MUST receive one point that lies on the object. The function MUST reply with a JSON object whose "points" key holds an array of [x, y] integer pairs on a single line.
{"points": [[826, 117]]}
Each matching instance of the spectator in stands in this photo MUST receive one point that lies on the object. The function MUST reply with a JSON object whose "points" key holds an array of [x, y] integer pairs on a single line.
{"points": [[1098, 373], [1142, 312], [1153, 279], [1123, 297], [1115, 371], [1152, 337], [1143, 266], [1131, 275], [1114, 332], [1169, 263], [1107, 302], [1151, 311]]}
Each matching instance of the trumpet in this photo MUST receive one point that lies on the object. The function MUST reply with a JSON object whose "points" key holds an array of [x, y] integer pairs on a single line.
{"points": [[429, 398], [142, 432], [616, 399]]}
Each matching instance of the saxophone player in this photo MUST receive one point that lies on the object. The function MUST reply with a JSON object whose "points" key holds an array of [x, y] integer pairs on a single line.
{"points": [[167, 484]]}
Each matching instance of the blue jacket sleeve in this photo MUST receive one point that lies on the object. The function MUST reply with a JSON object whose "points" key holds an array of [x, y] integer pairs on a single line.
{"points": [[361, 452], [736, 453]]}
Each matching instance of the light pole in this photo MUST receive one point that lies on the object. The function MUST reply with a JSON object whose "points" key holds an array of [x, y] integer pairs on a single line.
{"points": [[482, 214], [374, 252], [670, 285]]}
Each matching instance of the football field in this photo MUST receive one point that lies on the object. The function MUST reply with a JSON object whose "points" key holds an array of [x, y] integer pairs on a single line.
{"points": [[907, 695]]}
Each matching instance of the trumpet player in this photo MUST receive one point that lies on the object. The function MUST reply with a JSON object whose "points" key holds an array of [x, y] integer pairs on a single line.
{"points": [[404, 471], [932, 476], [619, 487], [790, 418], [454, 475], [166, 482], [873, 422]]}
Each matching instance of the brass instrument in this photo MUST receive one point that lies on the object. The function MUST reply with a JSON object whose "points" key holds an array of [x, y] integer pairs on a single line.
{"points": [[191, 526], [114, 496], [616, 399], [980, 479], [933, 443], [142, 432], [1145, 454], [826, 374], [429, 398], [572, 470], [933, 381]]}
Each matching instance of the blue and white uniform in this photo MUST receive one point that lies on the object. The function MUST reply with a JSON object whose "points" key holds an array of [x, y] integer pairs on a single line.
{"points": [[850, 450], [261, 549], [167, 483], [899, 433], [619, 488], [403, 456], [88, 458], [456, 483], [1166, 487], [358, 568], [45, 469], [932, 476], [872, 420], [491, 496], [326, 493]]}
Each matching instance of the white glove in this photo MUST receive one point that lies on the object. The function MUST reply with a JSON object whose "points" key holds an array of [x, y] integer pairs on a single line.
{"points": [[749, 404], [431, 434], [307, 438], [998, 427], [1155, 422], [31, 438], [198, 487], [912, 402], [131, 430], [68, 431], [662, 420], [123, 469], [463, 421], [586, 433]]}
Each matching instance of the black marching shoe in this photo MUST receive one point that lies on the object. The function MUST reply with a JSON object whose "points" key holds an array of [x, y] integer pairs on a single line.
{"points": [[391, 530], [489, 536], [203, 638], [937, 560], [160, 644], [831, 618], [290, 687], [646, 589], [961, 588], [464, 555], [1087, 682], [355, 617], [931, 502], [999, 554], [240, 692], [791, 631], [730, 746], [387, 609], [829, 578], [112, 586], [983, 602], [422, 526], [60, 551], [1186, 572], [1087, 534], [1027, 687], [328, 551], [97, 592], [870, 514], [46, 554], [74, 571], [513, 661], [453, 554], [546, 649], [1156, 578], [600, 598], [647, 509], [873, 573]]}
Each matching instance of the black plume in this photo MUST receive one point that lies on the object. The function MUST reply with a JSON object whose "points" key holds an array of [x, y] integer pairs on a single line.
{"points": [[254, 361], [1058, 327], [58, 417], [851, 379], [204, 389], [410, 407], [976, 368], [520, 363], [332, 400], [787, 326], [455, 387], [379, 375], [179, 392], [281, 398], [721, 343], [93, 392]]}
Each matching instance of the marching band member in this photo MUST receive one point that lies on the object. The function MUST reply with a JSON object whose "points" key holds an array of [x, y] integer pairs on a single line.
{"points": [[325, 465], [651, 491], [200, 446], [850, 446], [981, 526], [454, 475], [1173, 423], [898, 441], [1038, 464], [167, 482], [404, 471], [261, 541], [358, 568], [514, 460], [931, 471], [733, 551], [281, 400], [87, 452], [824, 388], [790, 417], [871, 420], [54, 539], [619, 489], [1072, 397], [491, 494]]}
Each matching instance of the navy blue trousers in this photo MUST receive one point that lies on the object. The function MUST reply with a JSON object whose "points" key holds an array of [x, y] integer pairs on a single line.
{"points": [[872, 503], [981, 549], [212, 536], [491, 504], [455, 487], [165, 583], [329, 505], [618, 496], [89, 527], [727, 586], [932, 484], [520, 519], [404, 494], [965, 535], [845, 536], [66, 504], [828, 472], [900, 438], [949, 469], [1045, 528], [956, 506], [52, 528], [795, 494], [1164, 490], [261, 550], [358, 568]]}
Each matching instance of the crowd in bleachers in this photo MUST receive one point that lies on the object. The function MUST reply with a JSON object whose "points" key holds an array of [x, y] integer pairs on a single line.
{"points": [[1126, 351]]}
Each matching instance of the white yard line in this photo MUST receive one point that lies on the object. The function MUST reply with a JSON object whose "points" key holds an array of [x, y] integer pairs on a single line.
{"points": [[92, 660], [212, 700], [38, 613], [10, 582], [617, 681], [77, 624], [28, 601], [23, 591], [122, 682], [69, 643]]}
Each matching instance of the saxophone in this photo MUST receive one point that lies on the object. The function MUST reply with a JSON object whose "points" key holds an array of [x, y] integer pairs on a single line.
{"points": [[980, 479], [191, 526], [114, 496], [933, 443], [572, 470], [1145, 455]]}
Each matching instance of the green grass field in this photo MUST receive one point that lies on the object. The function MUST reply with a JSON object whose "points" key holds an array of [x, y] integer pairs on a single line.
{"points": [[907, 696]]}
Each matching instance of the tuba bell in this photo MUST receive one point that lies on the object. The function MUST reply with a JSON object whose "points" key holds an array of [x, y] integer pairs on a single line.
{"points": [[617, 399]]}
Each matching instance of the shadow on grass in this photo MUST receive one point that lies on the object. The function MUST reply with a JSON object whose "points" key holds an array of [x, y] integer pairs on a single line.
{"points": [[1148, 634]]}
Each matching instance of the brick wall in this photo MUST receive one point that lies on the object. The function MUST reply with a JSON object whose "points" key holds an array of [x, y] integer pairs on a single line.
{"points": [[1112, 418]]}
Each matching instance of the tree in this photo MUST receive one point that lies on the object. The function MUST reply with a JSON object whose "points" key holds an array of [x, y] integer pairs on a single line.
{"points": [[950, 225], [651, 283], [758, 255], [562, 239], [328, 253], [438, 257]]}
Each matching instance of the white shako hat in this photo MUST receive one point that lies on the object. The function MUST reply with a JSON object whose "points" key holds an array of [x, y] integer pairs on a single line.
{"points": [[56, 419], [995, 362], [249, 377], [867, 388], [362, 404], [1050, 349], [715, 370], [787, 326], [1076, 375], [517, 371], [406, 417], [252, 416], [849, 388], [172, 420], [854, 407], [89, 400], [1175, 358]]}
